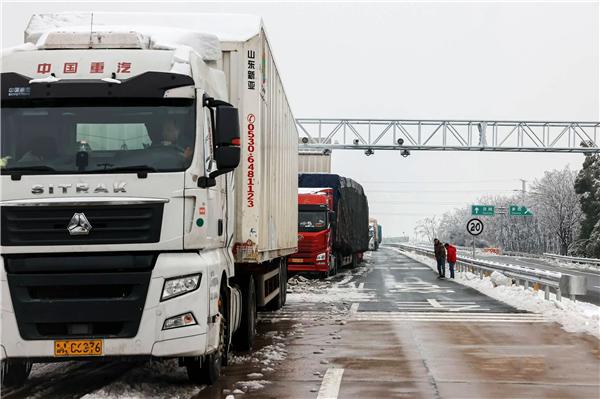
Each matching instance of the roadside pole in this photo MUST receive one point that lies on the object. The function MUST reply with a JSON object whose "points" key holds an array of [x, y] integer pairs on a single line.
{"points": [[474, 227]]}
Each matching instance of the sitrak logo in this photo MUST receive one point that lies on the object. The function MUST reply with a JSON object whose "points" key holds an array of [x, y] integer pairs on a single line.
{"points": [[79, 225]]}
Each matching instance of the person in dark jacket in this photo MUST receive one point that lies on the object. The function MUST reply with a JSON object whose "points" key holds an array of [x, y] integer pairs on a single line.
{"points": [[440, 257], [451, 256]]}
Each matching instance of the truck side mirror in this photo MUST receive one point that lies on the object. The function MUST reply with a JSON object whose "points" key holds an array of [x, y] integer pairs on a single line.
{"points": [[331, 215], [226, 139]]}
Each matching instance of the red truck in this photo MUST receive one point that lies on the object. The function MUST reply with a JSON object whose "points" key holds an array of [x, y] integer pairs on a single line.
{"points": [[333, 224], [315, 210]]}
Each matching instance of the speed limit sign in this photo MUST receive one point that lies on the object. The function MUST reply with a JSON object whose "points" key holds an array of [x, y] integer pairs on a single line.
{"points": [[475, 227]]}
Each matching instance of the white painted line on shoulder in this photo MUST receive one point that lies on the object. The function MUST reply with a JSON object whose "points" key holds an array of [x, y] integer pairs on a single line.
{"points": [[330, 386], [434, 303]]}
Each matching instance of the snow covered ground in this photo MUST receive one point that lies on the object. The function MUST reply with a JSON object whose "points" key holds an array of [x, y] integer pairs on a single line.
{"points": [[167, 380], [152, 381], [335, 289], [574, 266], [573, 316]]}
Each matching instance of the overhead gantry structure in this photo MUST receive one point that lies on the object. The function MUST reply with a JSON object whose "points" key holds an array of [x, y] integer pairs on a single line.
{"points": [[407, 135]]}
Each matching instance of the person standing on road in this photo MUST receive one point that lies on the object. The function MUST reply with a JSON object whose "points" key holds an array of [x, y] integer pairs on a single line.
{"points": [[440, 257], [451, 256]]}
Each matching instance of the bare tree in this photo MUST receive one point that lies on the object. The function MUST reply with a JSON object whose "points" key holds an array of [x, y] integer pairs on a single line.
{"points": [[427, 228], [557, 205], [554, 226]]}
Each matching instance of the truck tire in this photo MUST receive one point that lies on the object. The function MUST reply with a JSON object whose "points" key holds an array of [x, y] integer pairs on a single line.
{"points": [[15, 372], [243, 338], [278, 302], [207, 369], [354, 261]]}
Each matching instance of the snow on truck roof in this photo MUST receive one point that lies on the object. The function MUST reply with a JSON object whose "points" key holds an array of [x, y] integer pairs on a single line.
{"points": [[227, 27], [151, 30]]}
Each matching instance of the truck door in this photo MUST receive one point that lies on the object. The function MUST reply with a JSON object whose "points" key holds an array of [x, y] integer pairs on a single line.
{"points": [[205, 209]]}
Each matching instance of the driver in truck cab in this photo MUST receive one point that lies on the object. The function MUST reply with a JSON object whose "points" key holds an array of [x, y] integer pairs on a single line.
{"points": [[168, 135]]}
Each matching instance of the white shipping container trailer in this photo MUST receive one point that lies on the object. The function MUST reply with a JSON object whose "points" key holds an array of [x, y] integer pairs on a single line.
{"points": [[314, 162], [143, 119]]}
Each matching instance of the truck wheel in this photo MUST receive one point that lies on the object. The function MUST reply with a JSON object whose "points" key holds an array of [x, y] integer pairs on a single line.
{"points": [[15, 372], [243, 338], [278, 302], [208, 370], [354, 261]]}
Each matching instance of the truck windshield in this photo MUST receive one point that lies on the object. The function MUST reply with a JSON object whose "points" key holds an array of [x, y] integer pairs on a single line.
{"points": [[49, 138], [312, 220]]}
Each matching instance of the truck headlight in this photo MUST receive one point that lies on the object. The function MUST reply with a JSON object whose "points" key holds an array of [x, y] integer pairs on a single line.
{"points": [[180, 285], [321, 256], [182, 320]]}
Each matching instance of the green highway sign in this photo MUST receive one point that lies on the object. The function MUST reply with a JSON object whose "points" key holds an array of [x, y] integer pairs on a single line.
{"points": [[517, 210], [483, 210]]}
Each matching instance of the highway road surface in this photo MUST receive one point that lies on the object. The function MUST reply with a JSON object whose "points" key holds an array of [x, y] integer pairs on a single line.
{"points": [[388, 329]]}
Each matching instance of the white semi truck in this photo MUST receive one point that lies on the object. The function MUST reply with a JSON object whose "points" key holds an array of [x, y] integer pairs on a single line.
{"points": [[149, 189]]}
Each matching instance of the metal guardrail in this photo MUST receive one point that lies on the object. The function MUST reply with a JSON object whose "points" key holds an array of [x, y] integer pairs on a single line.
{"points": [[561, 283], [574, 259]]}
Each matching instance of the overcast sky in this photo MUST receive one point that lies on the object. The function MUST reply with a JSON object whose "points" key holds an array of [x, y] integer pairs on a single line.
{"points": [[480, 60]]}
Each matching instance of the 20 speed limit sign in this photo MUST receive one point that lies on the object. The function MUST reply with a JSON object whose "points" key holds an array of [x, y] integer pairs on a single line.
{"points": [[475, 227]]}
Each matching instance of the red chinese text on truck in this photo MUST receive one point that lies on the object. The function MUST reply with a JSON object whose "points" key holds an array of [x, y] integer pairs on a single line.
{"points": [[315, 207]]}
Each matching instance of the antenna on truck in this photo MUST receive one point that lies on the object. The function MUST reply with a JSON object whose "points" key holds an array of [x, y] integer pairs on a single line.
{"points": [[91, 28]]}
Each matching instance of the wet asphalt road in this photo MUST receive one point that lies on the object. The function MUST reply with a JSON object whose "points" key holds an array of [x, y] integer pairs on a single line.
{"points": [[387, 330]]}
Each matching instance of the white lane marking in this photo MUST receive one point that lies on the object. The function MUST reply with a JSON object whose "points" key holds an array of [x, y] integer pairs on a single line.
{"points": [[434, 303], [450, 317], [420, 287], [597, 286], [466, 307], [354, 308], [330, 386], [361, 286]]}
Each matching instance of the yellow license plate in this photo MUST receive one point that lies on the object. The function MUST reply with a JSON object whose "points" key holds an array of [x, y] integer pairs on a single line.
{"points": [[295, 260], [78, 347]]}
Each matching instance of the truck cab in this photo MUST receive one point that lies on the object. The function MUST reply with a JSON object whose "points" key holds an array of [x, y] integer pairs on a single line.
{"points": [[315, 215], [374, 234]]}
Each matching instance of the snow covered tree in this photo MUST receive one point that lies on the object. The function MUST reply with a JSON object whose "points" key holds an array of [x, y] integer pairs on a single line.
{"points": [[587, 185], [427, 228], [553, 228], [557, 206]]}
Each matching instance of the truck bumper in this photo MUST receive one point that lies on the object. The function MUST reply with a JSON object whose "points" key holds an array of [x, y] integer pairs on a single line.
{"points": [[306, 264], [150, 339]]}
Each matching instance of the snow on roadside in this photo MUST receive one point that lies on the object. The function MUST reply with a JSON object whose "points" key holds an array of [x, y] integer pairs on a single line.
{"points": [[330, 290], [574, 266], [153, 380], [573, 316], [266, 358]]}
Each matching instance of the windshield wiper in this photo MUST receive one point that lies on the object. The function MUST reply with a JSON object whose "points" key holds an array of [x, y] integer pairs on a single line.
{"points": [[16, 172], [142, 170], [35, 168]]}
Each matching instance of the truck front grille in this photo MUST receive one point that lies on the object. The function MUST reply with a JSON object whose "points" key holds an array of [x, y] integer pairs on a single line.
{"points": [[308, 246], [110, 224], [75, 296]]}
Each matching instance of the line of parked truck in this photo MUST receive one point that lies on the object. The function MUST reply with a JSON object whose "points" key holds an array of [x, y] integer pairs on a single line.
{"points": [[150, 192]]}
